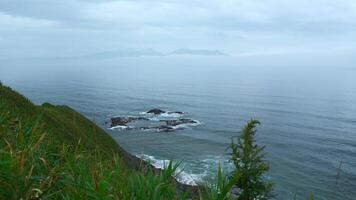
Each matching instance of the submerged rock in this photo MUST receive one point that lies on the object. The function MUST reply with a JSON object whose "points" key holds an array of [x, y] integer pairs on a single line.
{"points": [[165, 128], [176, 112], [177, 122]]}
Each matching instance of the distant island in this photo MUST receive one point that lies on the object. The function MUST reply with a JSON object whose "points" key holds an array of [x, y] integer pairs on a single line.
{"points": [[199, 52], [152, 52], [124, 53]]}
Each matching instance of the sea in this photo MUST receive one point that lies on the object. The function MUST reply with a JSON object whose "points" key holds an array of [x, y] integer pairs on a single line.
{"points": [[307, 113]]}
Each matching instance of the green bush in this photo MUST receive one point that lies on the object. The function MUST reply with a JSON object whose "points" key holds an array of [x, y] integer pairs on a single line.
{"points": [[248, 159]]}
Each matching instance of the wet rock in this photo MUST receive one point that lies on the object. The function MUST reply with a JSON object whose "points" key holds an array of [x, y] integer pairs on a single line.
{"points": [[138, 118], [142, 123], [165, 128], [176, 112], [120, 121], [177, 122], [156, 111], [123, 121]]}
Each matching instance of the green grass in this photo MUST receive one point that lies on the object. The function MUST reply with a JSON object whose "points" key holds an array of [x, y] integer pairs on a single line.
{"points": [[53, 152]]}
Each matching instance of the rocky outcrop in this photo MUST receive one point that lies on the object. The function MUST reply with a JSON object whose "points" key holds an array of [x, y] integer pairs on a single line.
{"points": [[123, 121], [157, 111], [175, 112], [167, 123], [176, 122]]}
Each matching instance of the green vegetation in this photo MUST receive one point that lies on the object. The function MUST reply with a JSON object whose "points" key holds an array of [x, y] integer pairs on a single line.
{"points": [[53, 152], [248, 159], [247, 178]]}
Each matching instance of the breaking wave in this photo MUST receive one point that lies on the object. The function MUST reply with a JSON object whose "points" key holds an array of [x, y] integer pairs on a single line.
{"points": [[207, 168]]}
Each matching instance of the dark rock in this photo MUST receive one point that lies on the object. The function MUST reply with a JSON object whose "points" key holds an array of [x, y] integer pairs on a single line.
{"points": [[164, 128], [177, 122], [176, 112], [142, 118], [123, 121], [187, 121], [120, 121], [156, 111]]}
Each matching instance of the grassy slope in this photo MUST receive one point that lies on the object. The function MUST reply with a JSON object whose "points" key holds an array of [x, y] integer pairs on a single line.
{"points": [[78, 127], [62, 122], [53, 152]]}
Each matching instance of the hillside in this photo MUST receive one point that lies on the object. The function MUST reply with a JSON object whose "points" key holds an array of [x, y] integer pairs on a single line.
{"points": [[53, 152]]}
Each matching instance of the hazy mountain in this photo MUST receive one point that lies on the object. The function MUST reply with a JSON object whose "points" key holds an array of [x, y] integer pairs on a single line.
{"points": [[200, 52], [119, 53], [126, 53]]}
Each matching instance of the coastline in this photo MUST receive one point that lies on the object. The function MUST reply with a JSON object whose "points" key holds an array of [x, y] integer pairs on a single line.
{"points": [[139, 164]]}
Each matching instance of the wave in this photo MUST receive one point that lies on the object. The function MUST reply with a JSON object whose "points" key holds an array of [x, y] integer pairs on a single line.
{"points": [[171, 115], [207, 167], [187, 125], [166, 114], [181, 175], [120, 127]]}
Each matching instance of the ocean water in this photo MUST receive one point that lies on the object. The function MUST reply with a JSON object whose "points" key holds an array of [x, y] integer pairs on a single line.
{"points": [[308, 113]]}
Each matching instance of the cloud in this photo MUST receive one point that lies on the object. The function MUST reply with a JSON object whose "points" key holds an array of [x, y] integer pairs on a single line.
{"points": [[227, 14], [14, 22], [231, 25]]}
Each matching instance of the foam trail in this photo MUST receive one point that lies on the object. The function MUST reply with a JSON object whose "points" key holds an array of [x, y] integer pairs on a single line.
{"points": [[170, 115], [121, 127], [181, 175]]}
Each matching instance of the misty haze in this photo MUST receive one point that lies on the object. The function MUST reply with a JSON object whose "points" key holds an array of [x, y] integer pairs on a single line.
{"points": [[156, 99]]}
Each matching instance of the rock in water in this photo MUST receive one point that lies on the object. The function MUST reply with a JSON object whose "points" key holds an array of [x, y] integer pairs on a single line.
{"points": [[164, 128], [119, 121], [156, 111], [123, 121], [176, 112], [177, 122]]}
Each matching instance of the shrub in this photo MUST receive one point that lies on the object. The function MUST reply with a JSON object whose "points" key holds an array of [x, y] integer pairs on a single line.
{"points": [[248, 159]]}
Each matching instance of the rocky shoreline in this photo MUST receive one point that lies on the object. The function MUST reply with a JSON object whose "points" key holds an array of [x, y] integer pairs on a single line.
{"points": [[139, 164]]}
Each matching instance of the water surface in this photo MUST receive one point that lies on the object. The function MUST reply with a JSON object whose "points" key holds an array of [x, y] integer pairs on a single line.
{"points": [[308, 113]]}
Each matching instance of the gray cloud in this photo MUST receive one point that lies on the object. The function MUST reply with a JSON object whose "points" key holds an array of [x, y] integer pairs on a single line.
{"points": [[241, 27]]}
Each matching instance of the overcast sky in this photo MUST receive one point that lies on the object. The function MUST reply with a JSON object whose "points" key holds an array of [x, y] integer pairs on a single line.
{"points": [[238, 27]]}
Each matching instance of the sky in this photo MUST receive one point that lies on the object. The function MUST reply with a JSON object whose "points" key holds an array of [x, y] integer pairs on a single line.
{"points": [[245, 28]]}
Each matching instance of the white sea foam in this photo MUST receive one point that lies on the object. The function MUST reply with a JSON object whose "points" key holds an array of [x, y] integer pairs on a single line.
{"points": [[197, 123], [187, 125], [167, 114], [181, 175], [120, 127], [153, 161], [170, 115], [155, 119], [190, 178]]}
